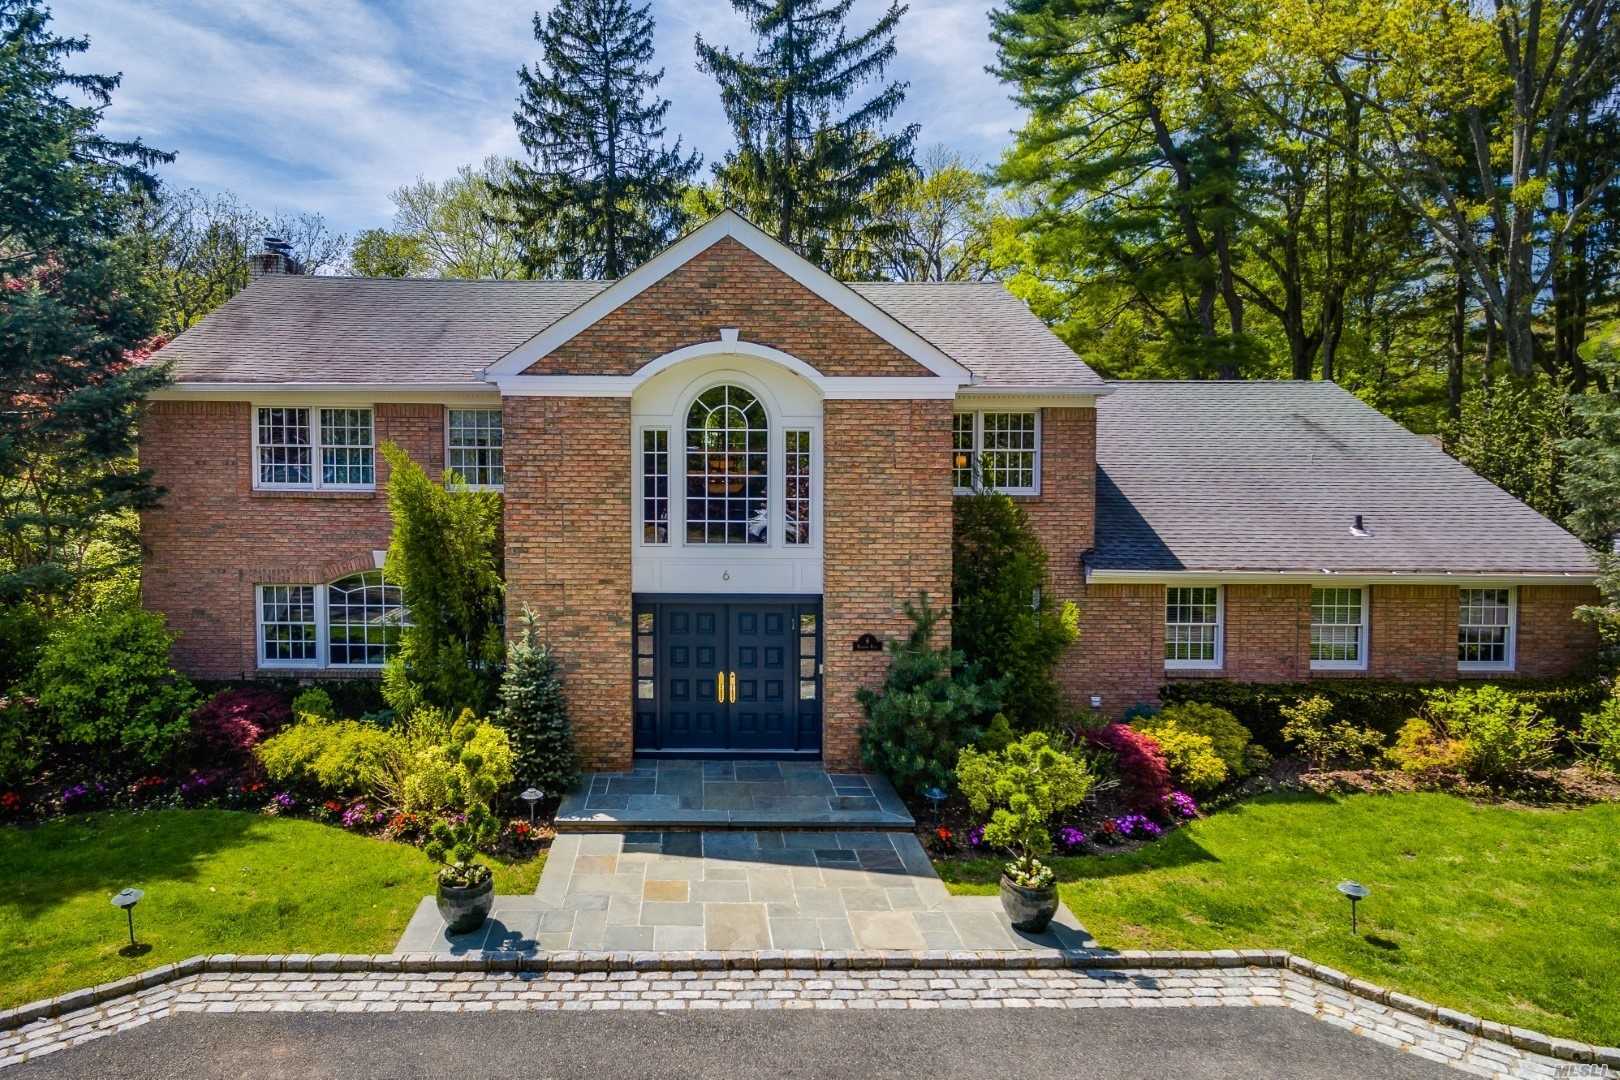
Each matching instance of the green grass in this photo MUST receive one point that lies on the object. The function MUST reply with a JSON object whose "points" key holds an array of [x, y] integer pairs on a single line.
{"points": [[216, 882], [1512, 914]]}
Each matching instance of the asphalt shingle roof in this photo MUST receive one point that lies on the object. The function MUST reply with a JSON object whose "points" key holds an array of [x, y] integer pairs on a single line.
{"points": [[1268, 476], [299, 329]]}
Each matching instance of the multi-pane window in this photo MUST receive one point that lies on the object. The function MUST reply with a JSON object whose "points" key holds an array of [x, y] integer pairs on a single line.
{"points": [[1192, 627], [797, 461], [476, 451], [289, 440], [646, 658], [354, 622], [1338, 628], [364, 615], [727, 468], [962, 449], [346, 448], [1485, 628], [655, 486], [286, 454], [998, 450], [288, 630], [808, 658]]}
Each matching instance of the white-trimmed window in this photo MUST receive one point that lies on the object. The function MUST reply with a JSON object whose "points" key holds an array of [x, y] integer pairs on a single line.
{"points": [[476, 451], [1339, 629], [655, 486], [797, 461], [1486, 621], [727, 468], [289, 440], [1192, 626], [1002, 450], [354, 622]]}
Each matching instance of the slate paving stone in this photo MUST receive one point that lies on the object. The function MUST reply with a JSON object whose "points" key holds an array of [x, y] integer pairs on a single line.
{"points": [[736, 926], [683, 843]]}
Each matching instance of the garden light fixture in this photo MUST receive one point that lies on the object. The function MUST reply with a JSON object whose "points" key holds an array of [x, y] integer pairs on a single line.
{"points": [[1355, 890], [127, 899], [532, 796], [936, 798]]}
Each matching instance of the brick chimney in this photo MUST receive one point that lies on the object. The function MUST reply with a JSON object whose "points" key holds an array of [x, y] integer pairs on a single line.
{"points": [[276, 258]]}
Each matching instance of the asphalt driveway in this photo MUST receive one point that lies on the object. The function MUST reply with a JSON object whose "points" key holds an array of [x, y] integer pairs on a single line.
{"points": [[1120, 1044]]}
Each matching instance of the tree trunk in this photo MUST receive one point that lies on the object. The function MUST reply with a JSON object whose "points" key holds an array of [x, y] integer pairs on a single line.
{"points": [[1458, 342]]}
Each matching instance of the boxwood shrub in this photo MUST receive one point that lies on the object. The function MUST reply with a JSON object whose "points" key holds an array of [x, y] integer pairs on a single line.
{"points": [[1382, 706]]}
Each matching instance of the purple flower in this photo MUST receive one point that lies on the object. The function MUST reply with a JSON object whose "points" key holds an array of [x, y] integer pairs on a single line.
{"points": [[286, 801], [1181, 805], [1137, 825], [975, 836], [1071, 837]]}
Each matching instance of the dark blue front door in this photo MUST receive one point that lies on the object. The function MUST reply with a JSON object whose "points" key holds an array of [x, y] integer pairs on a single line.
{"points": [[728, 676]]}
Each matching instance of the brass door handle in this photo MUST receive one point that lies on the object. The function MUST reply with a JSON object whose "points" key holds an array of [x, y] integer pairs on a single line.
{"points": [[734, 688], [720, 687]]}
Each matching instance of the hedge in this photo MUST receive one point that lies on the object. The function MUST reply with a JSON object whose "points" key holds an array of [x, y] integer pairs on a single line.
{"points": [[1383, 706]]}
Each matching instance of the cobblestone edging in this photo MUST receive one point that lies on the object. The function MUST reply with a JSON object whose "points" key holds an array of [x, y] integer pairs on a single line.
{"points": [[786, 979]]}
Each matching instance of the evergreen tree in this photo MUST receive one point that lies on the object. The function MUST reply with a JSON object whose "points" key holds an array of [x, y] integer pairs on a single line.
{"points": [[535, 715], [1592, 476], [819, 182], [75, 318], [602, 193]]}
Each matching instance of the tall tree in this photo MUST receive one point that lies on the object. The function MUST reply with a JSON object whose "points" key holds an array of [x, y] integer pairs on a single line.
{"points": [[75, 318], [941, 226], [1592, 480], [602, 192], [818, 179], [461, 227]]}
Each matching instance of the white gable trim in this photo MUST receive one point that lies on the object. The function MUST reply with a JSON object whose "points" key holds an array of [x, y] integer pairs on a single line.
{"points": [[1333, 578], [728, 223], [896, 387]]}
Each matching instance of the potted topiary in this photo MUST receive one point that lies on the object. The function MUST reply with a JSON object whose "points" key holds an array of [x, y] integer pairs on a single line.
{"points": [[464, 775], [1026, 785], [466, 887]]}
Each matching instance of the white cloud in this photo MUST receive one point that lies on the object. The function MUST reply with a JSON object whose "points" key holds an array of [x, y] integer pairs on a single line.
{"points": [[328, 105]]}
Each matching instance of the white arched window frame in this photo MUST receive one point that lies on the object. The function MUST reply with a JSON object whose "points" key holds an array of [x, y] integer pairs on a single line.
{"points": [[353, 622], [661, 441]]}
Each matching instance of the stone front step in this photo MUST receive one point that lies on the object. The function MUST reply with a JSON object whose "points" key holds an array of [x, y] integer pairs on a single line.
{"points": [[731, 794]]}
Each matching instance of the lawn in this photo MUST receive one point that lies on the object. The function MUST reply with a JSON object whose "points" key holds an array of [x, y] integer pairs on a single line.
{"points": [[215, 881], [1511, 914]]}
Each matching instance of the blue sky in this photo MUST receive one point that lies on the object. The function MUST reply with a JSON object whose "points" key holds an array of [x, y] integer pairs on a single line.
{"points": [[327, 105]]}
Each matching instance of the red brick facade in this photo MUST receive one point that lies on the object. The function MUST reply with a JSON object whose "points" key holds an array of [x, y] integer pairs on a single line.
{"points": [[727, 286]]}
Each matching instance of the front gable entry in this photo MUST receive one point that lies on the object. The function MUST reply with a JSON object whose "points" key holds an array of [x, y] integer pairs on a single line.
{"points": [[728, 280]]}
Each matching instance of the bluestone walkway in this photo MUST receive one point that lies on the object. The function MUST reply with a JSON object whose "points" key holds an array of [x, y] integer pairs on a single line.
{"points": [[731, 794]]}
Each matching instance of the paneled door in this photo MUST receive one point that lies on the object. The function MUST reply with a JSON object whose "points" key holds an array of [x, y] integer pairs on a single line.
{"points": [[742, 676]]}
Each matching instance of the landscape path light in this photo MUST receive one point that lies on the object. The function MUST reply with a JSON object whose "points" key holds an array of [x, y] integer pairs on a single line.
{"points": [[1355, 890], [127, 899], [532, 796]]}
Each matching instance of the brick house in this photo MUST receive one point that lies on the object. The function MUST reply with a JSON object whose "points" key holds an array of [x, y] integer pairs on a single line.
{"points": [[725, 473]]}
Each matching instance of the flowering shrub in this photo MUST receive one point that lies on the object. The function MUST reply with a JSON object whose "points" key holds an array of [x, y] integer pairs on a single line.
{"points": [[11, 804], [1128, 825], [1140, 763], [975, 836], [82, 796], [284, 801], [1071, 837], [1229, 740], [231, 723], [1179, 804]]}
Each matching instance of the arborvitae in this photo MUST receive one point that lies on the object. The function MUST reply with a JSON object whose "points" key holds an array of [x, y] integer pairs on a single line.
{"points": [[602, 193], [816, 180], [535, 715]]}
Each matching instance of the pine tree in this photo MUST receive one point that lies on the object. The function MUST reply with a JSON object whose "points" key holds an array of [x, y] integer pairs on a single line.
{"points": [[819, 182], [535, 715], [602, 193], [75, 318]]}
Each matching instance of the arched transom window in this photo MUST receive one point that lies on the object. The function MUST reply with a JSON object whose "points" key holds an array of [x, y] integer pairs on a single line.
{"points": [[727, 468]]}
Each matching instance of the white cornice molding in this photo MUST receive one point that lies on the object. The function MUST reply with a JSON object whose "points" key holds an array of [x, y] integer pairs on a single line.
{"points": [[728, 223], [389, 392], [1470, 578], [1071, 396]]}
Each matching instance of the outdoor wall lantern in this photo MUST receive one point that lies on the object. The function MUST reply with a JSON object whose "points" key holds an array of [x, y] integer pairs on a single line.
{"points": [[127, 899], [1355, 890], [532, 796], [1096, 702]]}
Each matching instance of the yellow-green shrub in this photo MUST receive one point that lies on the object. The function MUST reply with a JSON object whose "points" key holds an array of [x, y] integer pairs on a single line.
{"points": [[1422, 751], [450, 766], [1193, 762], [1600, 729], [1228, 739], [338, 756]]}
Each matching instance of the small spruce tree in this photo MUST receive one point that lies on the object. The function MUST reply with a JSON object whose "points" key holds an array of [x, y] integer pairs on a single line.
{"points": [[535, 715]]}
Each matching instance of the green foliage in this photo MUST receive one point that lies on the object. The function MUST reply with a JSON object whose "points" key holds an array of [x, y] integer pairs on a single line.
{"points": [[1027, 785], [74, 313], [1422, 751], [1514, 436], [1503, 736], [107, 693], [603, 193], [445, 555], [1191, 755], [1308, 724], [997, 735], [22, 637], [1592, 480], [534, 713], [314, 702], [459, 768], [22, 746], [460, 227], [1372, 704], [930, 706], [815, 177], [1600, 730], [336, 757], [1003, 617], [1228, 738]]}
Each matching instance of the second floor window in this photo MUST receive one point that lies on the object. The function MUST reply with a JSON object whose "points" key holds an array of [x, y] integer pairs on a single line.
{"points": [[476, 451], [727, 468], [301, 447], [998, 450]]}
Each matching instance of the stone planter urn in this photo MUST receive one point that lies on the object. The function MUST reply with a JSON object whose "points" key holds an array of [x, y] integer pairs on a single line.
{"points": [[1029, 909], [464, 910]]}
